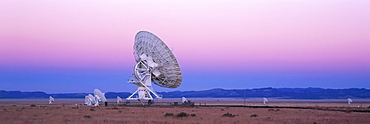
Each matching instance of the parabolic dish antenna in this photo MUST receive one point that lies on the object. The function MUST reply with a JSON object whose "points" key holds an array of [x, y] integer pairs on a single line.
{"points": [[99, 95], [155, 63]]}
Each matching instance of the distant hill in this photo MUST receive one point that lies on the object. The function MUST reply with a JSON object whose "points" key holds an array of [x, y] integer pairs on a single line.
{"points": [[20, 95], [283, 93]]}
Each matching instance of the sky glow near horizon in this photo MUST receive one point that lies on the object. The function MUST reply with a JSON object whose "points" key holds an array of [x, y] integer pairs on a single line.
{"points": [[77, 46]]}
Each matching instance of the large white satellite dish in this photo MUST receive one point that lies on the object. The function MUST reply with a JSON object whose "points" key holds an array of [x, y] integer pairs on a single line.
{"points": [[155, 63]]}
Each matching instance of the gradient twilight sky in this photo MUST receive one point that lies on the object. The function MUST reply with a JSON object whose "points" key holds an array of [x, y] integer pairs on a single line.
{"points": [[64, 46]]}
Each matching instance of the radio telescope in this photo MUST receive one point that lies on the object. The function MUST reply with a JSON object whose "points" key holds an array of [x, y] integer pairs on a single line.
{"points": [[90, 100], [265, 100], [155, 63], [349, 100], [100, 96], [51, 100], [118, 100]]}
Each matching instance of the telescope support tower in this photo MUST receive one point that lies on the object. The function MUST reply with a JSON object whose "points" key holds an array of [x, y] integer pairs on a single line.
{"points": [[142, 73]]}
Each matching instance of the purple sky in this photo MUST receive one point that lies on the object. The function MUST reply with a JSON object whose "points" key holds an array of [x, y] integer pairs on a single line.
{"points": [[77, 46]]}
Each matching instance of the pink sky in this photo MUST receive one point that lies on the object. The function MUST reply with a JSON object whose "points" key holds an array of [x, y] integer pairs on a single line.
{"points": [[258, 35]]}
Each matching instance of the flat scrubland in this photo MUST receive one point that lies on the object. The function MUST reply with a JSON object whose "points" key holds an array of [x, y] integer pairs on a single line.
{"points": [[28, 111]]}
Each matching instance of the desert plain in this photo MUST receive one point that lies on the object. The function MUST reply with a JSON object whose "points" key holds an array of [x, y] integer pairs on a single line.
{"points": [[204, 111]]}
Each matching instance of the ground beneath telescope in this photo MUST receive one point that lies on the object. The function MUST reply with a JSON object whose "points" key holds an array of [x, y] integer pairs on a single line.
{"points": [[17, 113]]}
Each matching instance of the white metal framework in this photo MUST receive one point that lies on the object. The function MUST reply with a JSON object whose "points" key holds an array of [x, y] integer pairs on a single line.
{"points": [[155, 63]]}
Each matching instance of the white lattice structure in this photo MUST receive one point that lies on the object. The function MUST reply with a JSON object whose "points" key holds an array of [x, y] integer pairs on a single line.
{"points": [[155, 63]]}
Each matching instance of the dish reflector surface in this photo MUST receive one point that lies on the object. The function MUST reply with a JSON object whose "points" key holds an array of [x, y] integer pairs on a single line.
{"points": [[149, 47], [101, 95]]}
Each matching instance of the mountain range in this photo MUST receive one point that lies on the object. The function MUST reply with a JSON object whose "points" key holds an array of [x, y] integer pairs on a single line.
{"points": [[282, 93]]}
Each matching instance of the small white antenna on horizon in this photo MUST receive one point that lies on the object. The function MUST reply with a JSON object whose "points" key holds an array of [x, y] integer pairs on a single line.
{"points": [[184, 100], [119, 99], [349, 100], [51, 100], [265, 100]]}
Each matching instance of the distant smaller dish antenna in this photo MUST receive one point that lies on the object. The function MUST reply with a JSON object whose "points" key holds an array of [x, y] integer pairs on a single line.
{"points": [[184, 100], [349, 100], [51, 100], [87, 101], [119, 99], [100, 96], [91, 100], [265, 100]]}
